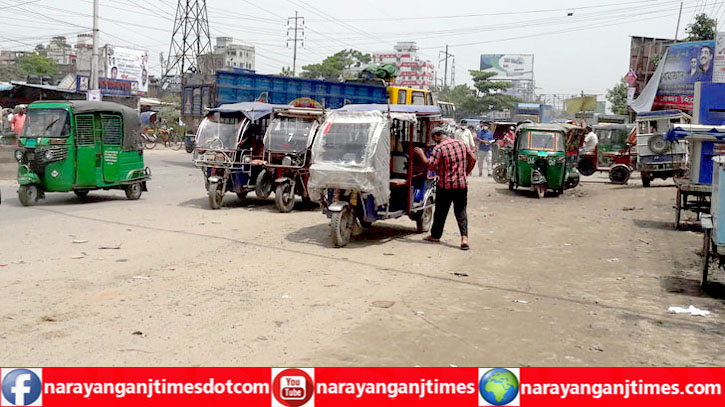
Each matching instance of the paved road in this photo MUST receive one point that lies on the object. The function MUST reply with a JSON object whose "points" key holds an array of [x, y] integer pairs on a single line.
{"points": [[582, 279]]}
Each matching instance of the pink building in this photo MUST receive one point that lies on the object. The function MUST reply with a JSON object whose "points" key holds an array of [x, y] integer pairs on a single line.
{"points": [[414, 71]]}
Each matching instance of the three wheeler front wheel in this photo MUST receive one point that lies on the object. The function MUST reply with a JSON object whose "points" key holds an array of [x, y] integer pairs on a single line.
{"points": [[540, 190], [284, 197], [28, 194], [216, 194], [341, 227]]}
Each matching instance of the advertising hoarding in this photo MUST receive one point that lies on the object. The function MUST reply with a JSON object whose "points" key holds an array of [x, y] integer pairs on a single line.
{"points": [[128, 64], [685, 64], [107, 86], [718, 70], [509, 66]]}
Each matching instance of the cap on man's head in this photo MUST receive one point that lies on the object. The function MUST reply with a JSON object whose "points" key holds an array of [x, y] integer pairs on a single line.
{"points": [[438, 130]]}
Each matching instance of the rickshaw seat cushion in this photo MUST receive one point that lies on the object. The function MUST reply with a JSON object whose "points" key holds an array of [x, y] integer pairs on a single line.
{"points": [[397, 182]]}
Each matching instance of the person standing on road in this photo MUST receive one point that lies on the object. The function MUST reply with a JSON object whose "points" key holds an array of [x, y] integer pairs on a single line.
{"points": [[509, 137], [464, 134], [18, 122], [453, 161], [484, 140]]}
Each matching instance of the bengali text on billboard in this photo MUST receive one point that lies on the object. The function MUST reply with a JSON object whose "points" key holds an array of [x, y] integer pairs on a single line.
{"points": [[685, 64], [509, 66]]}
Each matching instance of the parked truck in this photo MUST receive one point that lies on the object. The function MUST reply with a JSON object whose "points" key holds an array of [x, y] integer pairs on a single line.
{"points": [[241, 85]]}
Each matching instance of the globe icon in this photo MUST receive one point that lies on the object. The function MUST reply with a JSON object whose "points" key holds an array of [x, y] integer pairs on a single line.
{"points": [[498, 387]]}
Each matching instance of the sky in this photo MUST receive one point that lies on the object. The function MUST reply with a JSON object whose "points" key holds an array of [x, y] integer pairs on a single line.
{"points": [[577, 45]]}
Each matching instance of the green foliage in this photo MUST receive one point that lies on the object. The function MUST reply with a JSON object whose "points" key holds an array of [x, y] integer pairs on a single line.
{"points": [[473, 102], [28, 65], [487, 87], [334, 66], [617, 96], [38, 65], [286, 71], [702, 29]]}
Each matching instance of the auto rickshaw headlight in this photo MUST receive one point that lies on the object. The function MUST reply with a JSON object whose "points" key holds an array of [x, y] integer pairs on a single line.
{"points": [[18, 154], [48, 155], [247, 159]]}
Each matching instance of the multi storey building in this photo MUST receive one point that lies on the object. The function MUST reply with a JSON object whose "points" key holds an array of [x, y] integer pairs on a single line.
{"points": [[415, 72]]}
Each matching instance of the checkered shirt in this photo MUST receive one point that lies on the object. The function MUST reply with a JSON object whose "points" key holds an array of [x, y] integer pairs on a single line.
{"points": [[449, 158]]}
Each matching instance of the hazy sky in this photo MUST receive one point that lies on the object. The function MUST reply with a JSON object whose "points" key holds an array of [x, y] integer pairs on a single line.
{"points": [[586, 51]]}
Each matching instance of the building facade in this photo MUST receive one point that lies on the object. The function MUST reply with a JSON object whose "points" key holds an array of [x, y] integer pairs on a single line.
{"points": [[233, 55], [415, 72]]}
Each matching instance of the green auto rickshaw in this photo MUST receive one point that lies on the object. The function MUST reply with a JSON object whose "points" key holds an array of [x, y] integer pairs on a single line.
{"points": [[539, 159], [80, 146]]}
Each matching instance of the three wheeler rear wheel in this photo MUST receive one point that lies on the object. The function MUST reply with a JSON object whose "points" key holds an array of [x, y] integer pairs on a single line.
{"points": [[499, 173], [81, 194], [425, 217], [619, 175], [133, 191], [263, 185], [284, 197], [341, 226], [28, 194]]}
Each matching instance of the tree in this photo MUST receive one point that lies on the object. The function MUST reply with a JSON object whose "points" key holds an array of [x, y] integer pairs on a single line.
{"points": [[702, 29], [286, 71], [28, 65], [38, 65], [490, 96], [617, 96], [334, 67]]}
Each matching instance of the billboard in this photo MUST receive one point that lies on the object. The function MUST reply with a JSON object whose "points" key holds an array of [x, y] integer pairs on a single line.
{"points": [[107, 86], [718, 71], [509, 66], [128, 64], [686, 63]]}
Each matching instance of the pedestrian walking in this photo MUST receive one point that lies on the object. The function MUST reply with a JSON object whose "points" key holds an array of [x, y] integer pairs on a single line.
{"points": [[466, 136], [453, 161], [484, 140], [19, 121]]}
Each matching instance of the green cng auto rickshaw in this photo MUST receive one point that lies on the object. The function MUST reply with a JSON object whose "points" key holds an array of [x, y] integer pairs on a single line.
{"points": [[80, 146], [539, 159]]}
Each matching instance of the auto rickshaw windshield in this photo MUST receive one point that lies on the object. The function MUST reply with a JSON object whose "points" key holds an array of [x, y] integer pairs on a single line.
{"points": [[218, 133], [543, 140], [346, 142], [46, 123], [290, 134]]}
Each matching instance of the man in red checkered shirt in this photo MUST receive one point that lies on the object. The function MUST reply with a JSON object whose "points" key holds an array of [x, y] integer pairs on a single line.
{"points": [[453, 161]]}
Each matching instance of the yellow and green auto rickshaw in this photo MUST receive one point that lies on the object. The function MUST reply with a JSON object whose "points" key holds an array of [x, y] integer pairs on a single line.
{"points": [[539, 158], [80, 146]]}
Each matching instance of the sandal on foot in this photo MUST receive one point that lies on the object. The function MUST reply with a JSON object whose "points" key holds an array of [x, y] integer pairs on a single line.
{"points": [[465, 246], [431, 239]]}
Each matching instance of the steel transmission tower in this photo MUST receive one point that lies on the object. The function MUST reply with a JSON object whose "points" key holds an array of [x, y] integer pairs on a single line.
{"points": [[190, 48]]}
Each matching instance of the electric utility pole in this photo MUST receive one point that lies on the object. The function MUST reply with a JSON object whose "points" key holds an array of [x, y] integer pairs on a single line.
{"points": [[445, 58], [292, 32], [677, 30], [94, 56]]}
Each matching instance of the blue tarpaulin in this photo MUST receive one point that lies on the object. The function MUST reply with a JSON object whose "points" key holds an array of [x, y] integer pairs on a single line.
{"points": [[251, 110]]}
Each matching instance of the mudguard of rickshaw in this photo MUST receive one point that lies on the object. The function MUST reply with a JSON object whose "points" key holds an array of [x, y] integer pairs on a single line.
{"points": [[337, 206], [28, 178]]}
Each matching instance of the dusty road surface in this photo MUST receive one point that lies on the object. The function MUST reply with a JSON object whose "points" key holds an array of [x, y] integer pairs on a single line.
{"points": [[583, 279]]}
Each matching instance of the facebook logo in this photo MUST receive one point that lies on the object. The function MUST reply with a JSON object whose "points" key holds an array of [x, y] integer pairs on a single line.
{"points": [[22, 387]]}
